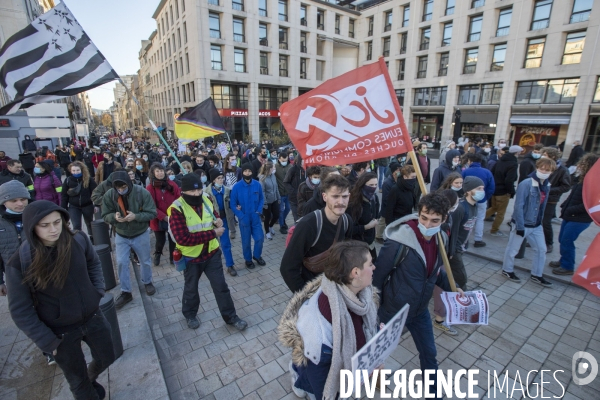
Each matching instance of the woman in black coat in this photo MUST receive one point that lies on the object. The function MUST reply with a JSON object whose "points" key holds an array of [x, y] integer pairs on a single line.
{"points": [[363, 207], [402, 200], [76, 196]]}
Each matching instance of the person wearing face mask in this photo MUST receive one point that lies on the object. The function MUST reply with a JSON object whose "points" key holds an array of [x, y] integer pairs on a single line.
{"points": [[451, 164], [364, 209], [485, 152], [247, 200], [526, 223], [424, 163], [259, 161], [450, 145], [267, 180], [453, 182], [475, 169], [410, 259], [76, 196], [357, 170], [141, 170], [203, 177], [401, 200], [401, 159], [98, 157], [282, 166], [307, 188], [129, 209], [46, 184], [106, 167], [316, 202], [28, 144], [527, 165]]}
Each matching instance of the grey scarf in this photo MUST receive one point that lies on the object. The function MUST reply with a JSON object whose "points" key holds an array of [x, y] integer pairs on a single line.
{"points": [[342, 300]]}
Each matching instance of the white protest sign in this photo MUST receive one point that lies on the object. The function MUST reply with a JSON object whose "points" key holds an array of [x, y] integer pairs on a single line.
{"points": [[473, 308], [222, 147]]}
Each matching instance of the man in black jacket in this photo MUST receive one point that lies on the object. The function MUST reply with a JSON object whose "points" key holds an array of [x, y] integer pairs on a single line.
{"points": [[388, 184], [576, 153], [294, 177], [560, 182], [413, 244], [505, 176], [527, 166], [14, 171]]}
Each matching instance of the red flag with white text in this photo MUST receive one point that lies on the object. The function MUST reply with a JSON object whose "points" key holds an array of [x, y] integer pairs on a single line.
{"points": [[588, 272], [591, 193], [352, 118]]}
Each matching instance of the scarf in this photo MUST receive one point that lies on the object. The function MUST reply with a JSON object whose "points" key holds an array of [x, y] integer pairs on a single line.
{"points": [[344, 339], [310, 184]]}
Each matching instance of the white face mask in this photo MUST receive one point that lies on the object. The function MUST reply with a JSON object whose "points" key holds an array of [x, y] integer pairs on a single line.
{"points": [[454, 208], [542, 176]]}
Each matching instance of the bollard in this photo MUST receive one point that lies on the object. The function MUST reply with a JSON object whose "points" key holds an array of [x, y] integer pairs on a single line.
{"points": [[100, 233], [107, 265], [107, 305]]}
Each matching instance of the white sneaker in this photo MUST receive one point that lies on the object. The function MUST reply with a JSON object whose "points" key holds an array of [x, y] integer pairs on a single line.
{"points": [[272, 231], [498, 234], [269, 236]]}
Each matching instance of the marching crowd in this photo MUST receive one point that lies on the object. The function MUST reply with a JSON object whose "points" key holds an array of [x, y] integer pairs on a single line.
{"points": [[344, 288]]}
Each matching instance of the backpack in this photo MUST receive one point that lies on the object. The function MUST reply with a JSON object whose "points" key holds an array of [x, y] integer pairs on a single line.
{"points": [[319, 216], [400, 256]]}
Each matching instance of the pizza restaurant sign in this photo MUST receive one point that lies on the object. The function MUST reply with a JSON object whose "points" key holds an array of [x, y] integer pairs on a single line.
{"points": [[244, 113]]}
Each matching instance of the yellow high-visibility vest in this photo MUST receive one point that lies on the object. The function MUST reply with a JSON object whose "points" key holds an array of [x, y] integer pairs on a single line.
{"points": [[195, 224]]}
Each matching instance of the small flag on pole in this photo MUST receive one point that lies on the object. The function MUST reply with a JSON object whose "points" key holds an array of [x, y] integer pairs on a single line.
{"points": [[50, 59], [199, 122]]}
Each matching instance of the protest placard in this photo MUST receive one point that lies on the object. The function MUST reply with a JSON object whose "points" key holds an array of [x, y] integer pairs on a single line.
{"points": [[472, 308]]}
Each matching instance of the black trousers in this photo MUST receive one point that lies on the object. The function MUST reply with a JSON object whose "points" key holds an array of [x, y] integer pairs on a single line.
{"points": [[88, 216], [69, 356], [271, 214], [549, 213], [161, 238], [458, 270], [213, 268]]}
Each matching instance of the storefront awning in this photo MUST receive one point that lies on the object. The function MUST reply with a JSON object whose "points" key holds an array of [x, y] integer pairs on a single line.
{"points": [[540, 119]]}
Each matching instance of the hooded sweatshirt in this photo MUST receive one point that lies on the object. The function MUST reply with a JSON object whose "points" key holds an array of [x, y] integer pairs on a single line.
{"points": [[61, 310], [441, 173]]}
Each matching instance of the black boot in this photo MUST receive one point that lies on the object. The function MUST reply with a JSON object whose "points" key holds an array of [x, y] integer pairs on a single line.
{"points": [[157, 258]]}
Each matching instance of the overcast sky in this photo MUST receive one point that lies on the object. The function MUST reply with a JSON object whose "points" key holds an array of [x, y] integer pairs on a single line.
{"points": [[117, 28]]}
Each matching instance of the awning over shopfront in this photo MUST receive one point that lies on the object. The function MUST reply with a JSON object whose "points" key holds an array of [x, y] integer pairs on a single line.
{"points": [[540, 119]]}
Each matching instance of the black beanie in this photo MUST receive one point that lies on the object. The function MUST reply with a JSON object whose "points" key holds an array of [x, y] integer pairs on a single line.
{"points": [[247, 166], [190, 182], [214, 173]]}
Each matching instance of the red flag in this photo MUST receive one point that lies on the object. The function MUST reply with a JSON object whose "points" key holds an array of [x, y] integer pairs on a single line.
{"points": [[588, 273], [591, 193], [352, 118]]}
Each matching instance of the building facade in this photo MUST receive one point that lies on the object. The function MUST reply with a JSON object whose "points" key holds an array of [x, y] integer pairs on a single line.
{"points": [[525, 70]]}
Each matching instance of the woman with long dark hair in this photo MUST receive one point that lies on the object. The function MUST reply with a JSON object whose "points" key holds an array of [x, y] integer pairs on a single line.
{"points": [[454, 181], [76, 196], [363, 207], [141, 170], [55, 285]]}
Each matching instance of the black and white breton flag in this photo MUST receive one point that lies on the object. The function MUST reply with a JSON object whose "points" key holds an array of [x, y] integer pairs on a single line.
{"points": [[50, 59]]}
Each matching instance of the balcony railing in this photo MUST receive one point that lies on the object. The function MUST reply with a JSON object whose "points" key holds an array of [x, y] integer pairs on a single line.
{"points": [[351, 34], [424, 46], [450, 11], [283, 45], [401, 76], [213, 2], [321, 27], [497, 66], [283, 72], [542, 24], [302, 75], [283, 17], [262, 13], [421, 74], [237, 6], [403, 50], [477, 3], [337, 31], [387, 28], [446, 42], [386, 53], [502, 31], [215, 34], [427, 17], [264, 71], [581, 16], [264, 42], [217, 65], [237, 37], [443, 71], [473, 37], [240, 68], [370, 33], [302, 49], [303, 22], [469, 69], [369, 56]]}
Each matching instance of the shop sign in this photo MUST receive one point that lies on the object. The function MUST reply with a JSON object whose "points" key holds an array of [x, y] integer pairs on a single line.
{"points": [[4, 123], [527, 136], [244, 113]]}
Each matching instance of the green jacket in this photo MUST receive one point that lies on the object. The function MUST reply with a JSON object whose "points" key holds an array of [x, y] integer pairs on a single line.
{"points": [[139, 202], [280, 173]]}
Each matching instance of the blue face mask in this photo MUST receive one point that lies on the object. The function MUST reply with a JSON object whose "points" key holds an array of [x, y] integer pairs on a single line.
{"points": [[456, 189], [283, 163], [479, 195], [9, 211], [172, 177], [536, 156], [139, 167], [37, 170], [77, 175], [123, 191], [315, 181], [218, 185], [428, 231], [203, 179]]}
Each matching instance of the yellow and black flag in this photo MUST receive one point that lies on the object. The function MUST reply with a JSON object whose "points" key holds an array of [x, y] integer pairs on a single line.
{"points": [[199, 122]]}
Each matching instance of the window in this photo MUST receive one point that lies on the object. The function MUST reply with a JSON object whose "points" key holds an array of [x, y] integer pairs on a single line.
{"points": [[173, 41], [573, 48], [400, 96], [184, 32], [475, 28], [480, 94], [422, 67], [405, 16], [425, 36], [555, 91], [176, 8], [541, 14], [450, 7], [179, 37], [535, 50], [431, 96], [369, 50], [187, 63], [491, 93], [470, 61], [447, 38], [283, 10], [388, 21], [171, 9], [228, 96], [264, 63], [184, 94], [597, 93], [403, 42], [262, 8], [468, 94], [262, 35], [239, 60], [238, 5], [386, 46], [283, 65], [351, 28], [271, 98], [303, 19], [169, 46], [401, 68], [238, 30], [498, 58], [215, 25], [581, 10], [320, 19], [303, 42], [183, 5], [427, 10], [176, 70], [370, 31], [504, 22], [320, 70], [477, 3], [213, 2], [303, 68], [215, 57], [444, 61], [283, 38], [338, 19]]}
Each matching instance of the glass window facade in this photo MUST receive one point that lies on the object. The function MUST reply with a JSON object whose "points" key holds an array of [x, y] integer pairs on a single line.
{"points": [[498, 57], [229, 96], [215, 57], [450, 4], [425, 36], [444, 61], [475, 28], [487, 94], [581, 10], [447, 34], [541, 14], [215, 25], [504, 22], [573, 48], [535, 51], [547, 92], [430, 96], [422, 67], [427, 10], [405, 16], [471, 56], [239, 60]]}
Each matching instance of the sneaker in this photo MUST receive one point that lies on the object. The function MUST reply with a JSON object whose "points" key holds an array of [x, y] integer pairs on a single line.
{"points": [[50, 359], [498, 234], [479, 243], [100, 391], [283, 230], [231, 271], [150, 289], [193, 323], [122, 299], [272, 231], [157, 258], [540, 281], [250, 265], [554, 264], [442, 326], [238, 323], [549, 248], [285, 226], [269, 236], [511, 276], [562, 271], [260, 261]]}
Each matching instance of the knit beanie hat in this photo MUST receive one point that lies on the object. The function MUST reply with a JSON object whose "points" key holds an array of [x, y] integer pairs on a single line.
{"points": [[515, 149], [13, 190], [214, 173], [190, 182], [247, 166], [471, 182]]}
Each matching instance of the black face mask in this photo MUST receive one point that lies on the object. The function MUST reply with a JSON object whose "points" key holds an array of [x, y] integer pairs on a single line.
{"points": [[192, 200], [247, 179], [410, 183]]}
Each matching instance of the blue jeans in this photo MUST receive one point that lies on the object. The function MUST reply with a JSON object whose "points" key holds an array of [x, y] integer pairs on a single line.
{"points": [[226, 245], [141, 245], [535, 237], [381, 175], [421, 329], [284, 210], [251, 227], [569, 232]]}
